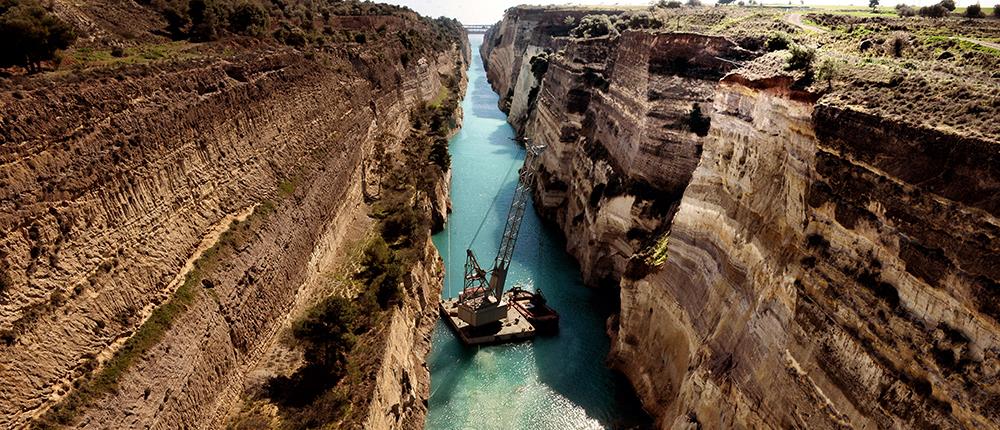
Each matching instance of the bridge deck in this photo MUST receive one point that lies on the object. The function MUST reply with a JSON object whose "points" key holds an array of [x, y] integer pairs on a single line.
{"points": [[477, 29]]}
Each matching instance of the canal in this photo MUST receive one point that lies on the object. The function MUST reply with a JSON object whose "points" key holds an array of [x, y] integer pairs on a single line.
{"points": [[556, 382]]}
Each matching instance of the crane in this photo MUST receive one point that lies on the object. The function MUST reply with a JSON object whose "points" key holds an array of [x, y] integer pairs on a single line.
{"points": [[481, 301]]}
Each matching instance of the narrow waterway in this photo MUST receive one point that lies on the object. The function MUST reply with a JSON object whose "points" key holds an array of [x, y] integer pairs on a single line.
{"points": [[556, 382]]}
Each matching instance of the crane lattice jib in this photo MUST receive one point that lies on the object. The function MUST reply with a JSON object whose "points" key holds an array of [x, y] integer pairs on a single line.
{"points": [[476, 285], [514, 217], [475, 277]]}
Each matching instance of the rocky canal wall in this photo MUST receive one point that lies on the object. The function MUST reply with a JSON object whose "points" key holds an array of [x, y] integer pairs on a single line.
{"points": [[114, 182], [782, 262]]}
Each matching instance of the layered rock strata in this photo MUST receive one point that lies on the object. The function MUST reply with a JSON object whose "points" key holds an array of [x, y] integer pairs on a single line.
{"points": [[795, 264], [114, 182]]}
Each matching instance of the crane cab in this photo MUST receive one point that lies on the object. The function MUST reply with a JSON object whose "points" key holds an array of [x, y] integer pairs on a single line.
{"points": [[487, 311], [482, 313]]}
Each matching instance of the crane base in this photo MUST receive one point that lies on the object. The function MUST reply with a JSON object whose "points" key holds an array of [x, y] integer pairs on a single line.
{"points": [[513, 328]]}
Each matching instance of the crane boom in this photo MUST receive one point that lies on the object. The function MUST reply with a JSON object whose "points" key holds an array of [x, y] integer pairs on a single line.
{"points": [[480, 296], [515, 215]]}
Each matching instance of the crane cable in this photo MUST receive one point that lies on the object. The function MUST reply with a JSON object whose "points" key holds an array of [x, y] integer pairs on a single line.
{"points": [[447, 275], [493, 203]]}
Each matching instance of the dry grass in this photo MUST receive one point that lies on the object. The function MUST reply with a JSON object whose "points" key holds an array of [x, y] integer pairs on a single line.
{"points": [[921, 71]]}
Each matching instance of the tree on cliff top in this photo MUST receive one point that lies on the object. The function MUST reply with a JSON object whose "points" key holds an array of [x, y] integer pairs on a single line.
{"points": [[827, 72], [638, 20], [934, 11], [801, 59], [974, 11], [249, 18], [31, 34], [595, 26], [664, 4]]}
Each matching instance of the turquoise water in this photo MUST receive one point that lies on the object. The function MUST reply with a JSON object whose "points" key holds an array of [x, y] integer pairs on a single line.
{"points": [[552, 382]]}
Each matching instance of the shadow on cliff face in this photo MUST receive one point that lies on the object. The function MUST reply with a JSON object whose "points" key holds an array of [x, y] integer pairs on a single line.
{"points": [[484, 100], [573, 362]]}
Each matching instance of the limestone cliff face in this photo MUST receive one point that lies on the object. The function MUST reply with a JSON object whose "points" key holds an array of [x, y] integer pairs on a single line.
{"points": [[801, 265], [509, 46], [113, 182], [403, 382]]}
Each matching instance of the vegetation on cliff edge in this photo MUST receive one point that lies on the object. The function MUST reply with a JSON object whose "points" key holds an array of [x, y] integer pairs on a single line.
{"points": [[341, 337], [31, 34]]}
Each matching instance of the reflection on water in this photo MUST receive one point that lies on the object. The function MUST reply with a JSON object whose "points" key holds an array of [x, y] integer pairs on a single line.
{"points": [[550, 383]]}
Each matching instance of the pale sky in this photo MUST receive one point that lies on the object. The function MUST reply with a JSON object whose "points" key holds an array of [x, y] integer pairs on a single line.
{"points": [[485, 11], [490, 11]]}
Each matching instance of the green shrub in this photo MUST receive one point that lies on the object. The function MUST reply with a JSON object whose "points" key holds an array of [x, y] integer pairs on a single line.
{"points": [[250, 19], [327, 331], [31, 34], [291, 35], [904, 10], [439, 154], [996, 10], [387, 286], [801, 59], [382, 270], [935, 11], [664, 4], [177, 22], [698, 122], [207, 19], [827, 71], [402, 224], [326, 334], [594, 26], [298, 22], [539, 65], [777, 41], [974, 11], [637, 21]]}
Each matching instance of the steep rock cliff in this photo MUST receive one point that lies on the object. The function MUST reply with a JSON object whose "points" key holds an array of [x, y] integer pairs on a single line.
{"points": [[800, 265], [114, 182]]}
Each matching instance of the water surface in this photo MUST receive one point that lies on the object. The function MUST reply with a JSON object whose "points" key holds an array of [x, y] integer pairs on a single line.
{"points": [[552, 382]]}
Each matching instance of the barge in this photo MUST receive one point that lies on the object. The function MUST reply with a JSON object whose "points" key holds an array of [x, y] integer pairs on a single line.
{"points": [[525, 316], [533, 307]]}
